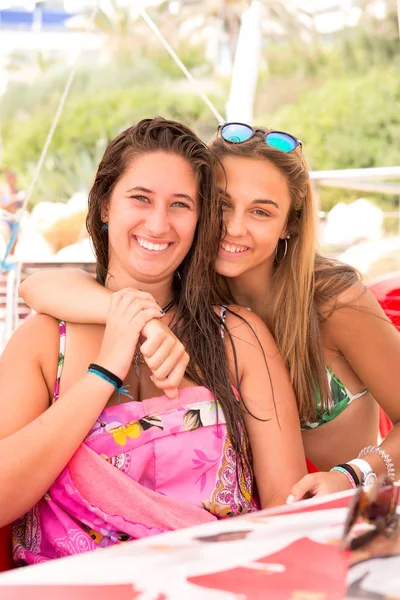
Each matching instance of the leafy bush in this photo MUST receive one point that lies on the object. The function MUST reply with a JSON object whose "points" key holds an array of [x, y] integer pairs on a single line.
{"points": [[347, 123], [88, 122]]}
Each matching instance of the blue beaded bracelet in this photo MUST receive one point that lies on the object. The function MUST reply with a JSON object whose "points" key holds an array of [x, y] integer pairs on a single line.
{"points": [[115, 381]]}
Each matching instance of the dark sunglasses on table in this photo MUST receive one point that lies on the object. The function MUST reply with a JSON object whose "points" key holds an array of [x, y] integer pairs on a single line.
{"points": [[376, 506], [237, 133]]}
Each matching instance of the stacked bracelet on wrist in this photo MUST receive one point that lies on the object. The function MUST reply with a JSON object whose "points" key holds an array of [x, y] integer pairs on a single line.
{"points": [[110, 378], [350, 474], [391, 472]]}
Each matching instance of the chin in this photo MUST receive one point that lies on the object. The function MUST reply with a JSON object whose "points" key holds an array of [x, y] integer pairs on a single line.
{"points": [[228, 270]]}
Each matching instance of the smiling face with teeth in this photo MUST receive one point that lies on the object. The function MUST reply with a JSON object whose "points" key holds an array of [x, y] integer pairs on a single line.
{"points": [[256, 203], [152, 216]]}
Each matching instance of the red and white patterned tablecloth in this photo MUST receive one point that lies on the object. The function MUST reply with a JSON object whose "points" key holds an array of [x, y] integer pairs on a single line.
{"points": [[289, 553]]}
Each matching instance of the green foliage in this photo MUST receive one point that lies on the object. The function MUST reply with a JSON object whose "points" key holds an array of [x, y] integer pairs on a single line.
{"points": [[87, 124], [372, 43], [341, 95], [351, 122]]}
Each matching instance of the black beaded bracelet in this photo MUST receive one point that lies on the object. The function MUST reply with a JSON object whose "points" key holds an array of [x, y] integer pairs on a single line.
{"points": [[351, 472], [114, 378]]}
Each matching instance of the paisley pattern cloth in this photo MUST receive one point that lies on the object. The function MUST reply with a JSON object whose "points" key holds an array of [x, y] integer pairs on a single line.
{"points": [[340, 399], [180, 450]]}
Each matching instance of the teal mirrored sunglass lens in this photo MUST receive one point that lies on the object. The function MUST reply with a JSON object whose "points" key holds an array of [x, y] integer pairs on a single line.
{"points": [[281, 141], [236, 133]]}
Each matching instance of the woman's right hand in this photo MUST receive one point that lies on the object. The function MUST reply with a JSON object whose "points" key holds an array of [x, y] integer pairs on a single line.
{"points": [[129, 312]]}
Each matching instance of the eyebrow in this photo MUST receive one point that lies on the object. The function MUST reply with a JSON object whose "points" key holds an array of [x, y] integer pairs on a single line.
{"points": [[147, 191], [256, 201], [261, 201]]}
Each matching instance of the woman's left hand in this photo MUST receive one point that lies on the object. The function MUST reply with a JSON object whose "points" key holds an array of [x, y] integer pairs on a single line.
{"points": [[318, 484]]}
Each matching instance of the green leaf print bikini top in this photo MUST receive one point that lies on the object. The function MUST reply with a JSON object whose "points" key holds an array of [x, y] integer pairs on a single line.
{"points": [[341, 397]]}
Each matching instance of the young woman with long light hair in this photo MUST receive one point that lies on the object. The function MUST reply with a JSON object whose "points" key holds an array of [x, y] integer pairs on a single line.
{"points": [[342, 353]]}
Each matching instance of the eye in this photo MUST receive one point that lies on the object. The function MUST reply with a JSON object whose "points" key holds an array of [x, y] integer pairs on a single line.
{"points": [[140, 198], [261, 213], [224, 204], [180, 204]]}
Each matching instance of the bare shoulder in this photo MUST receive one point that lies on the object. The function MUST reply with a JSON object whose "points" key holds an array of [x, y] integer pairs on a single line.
{"points": [[36, 340], [356, 296], [35, 333], [249, 334], [356, 311]]}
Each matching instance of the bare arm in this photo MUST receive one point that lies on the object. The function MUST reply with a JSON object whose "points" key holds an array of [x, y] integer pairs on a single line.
{"points": [[276, 443], [73, 295], [360, 331], [69, 294], [371, 345], [37, 441]]}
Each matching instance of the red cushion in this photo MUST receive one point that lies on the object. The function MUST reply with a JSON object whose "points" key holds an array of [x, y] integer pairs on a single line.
{"points": [[385, 424], [6, 561], [310, 467]]}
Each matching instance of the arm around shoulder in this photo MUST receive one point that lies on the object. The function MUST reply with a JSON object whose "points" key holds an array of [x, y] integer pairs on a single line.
{"points": [[69, 294]]}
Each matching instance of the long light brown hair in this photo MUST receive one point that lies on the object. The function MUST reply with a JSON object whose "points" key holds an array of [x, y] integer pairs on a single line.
{"points": [[195, 285], [304, 283]]}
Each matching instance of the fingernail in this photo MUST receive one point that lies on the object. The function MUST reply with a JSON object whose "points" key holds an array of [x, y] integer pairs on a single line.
{"points": [[290, 499]]}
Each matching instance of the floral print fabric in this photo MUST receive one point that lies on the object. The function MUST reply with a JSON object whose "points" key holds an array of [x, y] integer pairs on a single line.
{"points": [[180, 449]]}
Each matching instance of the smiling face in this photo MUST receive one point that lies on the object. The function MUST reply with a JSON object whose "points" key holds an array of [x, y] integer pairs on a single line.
{"points": [[152, 216], [256, 203]]}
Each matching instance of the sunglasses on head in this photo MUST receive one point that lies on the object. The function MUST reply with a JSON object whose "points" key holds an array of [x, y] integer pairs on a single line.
{"points": [[237, 133]]}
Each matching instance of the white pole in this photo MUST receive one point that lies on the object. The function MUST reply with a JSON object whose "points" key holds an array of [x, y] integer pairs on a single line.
{"points": [[398, 13], [245, 68]]}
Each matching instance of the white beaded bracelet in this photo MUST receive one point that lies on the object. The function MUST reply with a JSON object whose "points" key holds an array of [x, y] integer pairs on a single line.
{"points": [[384, 456]]}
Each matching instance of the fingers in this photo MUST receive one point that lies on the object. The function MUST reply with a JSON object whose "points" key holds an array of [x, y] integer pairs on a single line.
{"points": [[166, 357], [174, 378], [166, 367], [306, 485], [142, 316], [164, 385], [122, 301], [155, 339], [137, 306], [172, 382]]}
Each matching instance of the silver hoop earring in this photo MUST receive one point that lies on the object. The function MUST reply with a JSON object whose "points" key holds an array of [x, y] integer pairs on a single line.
{"points": [[285, 252]]}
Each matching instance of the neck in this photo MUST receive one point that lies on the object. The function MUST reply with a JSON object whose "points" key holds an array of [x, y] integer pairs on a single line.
{"points": [[253, 290], [161, 290]]}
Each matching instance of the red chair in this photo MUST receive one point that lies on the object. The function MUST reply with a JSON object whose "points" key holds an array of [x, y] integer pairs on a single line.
{"points": [[6, 561]]}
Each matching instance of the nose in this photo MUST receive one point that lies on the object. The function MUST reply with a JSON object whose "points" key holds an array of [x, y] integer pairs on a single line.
{"points": [[157, 222], [235, 224]]}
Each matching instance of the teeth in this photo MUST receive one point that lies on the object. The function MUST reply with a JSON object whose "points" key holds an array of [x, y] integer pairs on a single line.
{"points": [[150, 246], [231, 248]]}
